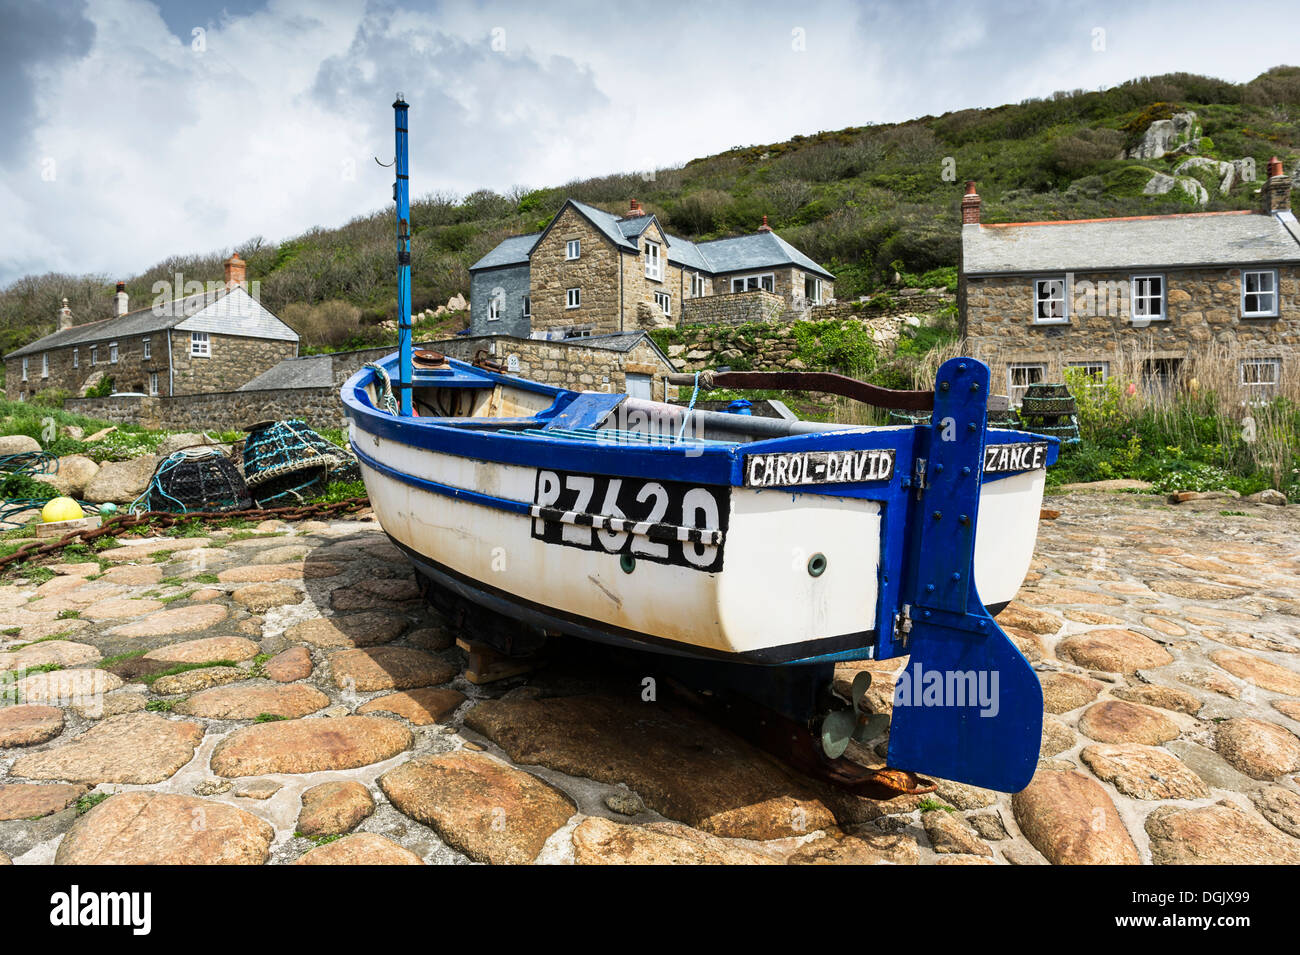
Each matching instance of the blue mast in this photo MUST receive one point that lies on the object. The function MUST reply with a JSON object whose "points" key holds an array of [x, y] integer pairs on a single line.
{"points": [[402, 194]]}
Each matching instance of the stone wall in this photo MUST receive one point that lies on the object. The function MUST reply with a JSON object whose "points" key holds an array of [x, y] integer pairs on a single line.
{"points": [[595, 272], [235, 360], [72, 370], [222, 411], [763, 346], [1203, 307], [734, 308]]}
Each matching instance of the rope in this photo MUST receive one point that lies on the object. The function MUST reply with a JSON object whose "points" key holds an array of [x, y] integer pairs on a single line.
{"points": [[695, 393], [386, 395]]}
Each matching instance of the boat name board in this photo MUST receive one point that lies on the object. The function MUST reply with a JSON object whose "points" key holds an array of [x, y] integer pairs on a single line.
{"points": [[669, 522], [819, 467], [1002, 458]]}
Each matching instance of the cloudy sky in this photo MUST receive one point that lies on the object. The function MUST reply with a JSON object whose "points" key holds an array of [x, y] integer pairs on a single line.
{"points": [[135, 129]]}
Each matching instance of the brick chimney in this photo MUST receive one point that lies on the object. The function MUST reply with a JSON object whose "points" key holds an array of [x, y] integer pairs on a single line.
{"points": [[65, 316], [236, 271], [634, 209], [970, 205], [765, 227], [1276, 194], [121, 298]]}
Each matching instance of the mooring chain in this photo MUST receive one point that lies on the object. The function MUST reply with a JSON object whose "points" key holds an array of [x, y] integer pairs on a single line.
{"points": [[165, 519]]}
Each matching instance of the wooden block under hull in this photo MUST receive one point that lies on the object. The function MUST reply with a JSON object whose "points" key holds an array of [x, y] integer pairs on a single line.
{"points": [[486, 665]]}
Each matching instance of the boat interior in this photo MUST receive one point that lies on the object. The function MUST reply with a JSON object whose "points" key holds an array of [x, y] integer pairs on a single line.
{"points": [[465, 397]]}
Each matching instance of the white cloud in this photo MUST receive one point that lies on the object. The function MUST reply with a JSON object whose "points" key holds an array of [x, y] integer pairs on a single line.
{"points": [[162, 149]]}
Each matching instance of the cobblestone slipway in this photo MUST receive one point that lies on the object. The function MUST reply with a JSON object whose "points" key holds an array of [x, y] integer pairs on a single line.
{"points": [[328, 719]]}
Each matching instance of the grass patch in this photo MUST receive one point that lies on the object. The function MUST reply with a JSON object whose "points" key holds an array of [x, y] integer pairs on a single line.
{"points": [[319, 840], [120, 658], [268, 718], [11, 631], [174, 597], [152, 678], [29, 643], [162, 706], [206, 579], [930, 805], [68, 615], [162, 556], [90, 801]]}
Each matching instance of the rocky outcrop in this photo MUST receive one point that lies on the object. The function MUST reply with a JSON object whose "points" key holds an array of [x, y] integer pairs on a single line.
{"points": [[1159, 184], [1229, 173], [1179, 133]]}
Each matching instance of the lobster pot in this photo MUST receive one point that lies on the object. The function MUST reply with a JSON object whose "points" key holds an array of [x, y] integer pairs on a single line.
{"points": [[208, 482], [1050, 409], [286, 461]]}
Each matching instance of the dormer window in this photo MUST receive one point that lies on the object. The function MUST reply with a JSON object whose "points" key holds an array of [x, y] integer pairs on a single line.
{"points": [[654, 268]]}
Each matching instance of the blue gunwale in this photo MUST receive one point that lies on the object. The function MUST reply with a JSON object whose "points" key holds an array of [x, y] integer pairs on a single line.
{"points": [[700, 462]]}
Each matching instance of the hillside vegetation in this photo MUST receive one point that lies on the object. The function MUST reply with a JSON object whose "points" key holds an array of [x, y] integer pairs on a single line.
{"points": [[864, 201]]}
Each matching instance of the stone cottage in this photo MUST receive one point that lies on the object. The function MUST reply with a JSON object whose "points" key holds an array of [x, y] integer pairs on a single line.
{"points": [[590, 272], [213, 341], [1038, 297]]}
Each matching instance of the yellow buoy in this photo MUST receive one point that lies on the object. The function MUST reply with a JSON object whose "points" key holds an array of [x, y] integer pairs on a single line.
{"points": [[61, 509]]}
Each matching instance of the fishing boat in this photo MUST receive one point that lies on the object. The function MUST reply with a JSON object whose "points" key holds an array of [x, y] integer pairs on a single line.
{"points": [[770, 550]]}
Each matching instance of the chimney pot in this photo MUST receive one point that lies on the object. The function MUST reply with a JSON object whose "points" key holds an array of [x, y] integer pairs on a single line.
{"points": [[236, 271], [121, 298], [970, 205], [765, 227], [65, 316], [1276, 194], [634, 209]]}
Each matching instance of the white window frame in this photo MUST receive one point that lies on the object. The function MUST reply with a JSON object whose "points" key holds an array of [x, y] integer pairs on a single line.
{"points": [[749, 283], [573, 298], [112, 353], [1140, 292], [572, 249], [697, 285], [1264, 388], [200, 345], [1246, 275], [577, 331], [94, 355], [153, 382], [1100, 376], [494, 308], [146, 350], [76, 358], [654, 261], [665, 303], [45, 364], [1063, 299], [1017, 392], [816, 297], [24, 369], [528, 306]]}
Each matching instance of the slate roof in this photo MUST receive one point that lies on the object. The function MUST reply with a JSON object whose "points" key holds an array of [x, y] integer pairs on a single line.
{"points": [[221, 311], [1136, 242], [312, 371], [511, 251], [762, 250]]}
